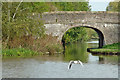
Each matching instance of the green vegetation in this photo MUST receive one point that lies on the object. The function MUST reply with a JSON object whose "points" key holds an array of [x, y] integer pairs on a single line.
{"points": [[20, 31], [114, 6], [22, 52], [114, 48], [75, 34], [91, 34], [105, 50], [79, 34], [72, 6], [42, 45], [15, 24], [76, 51]]}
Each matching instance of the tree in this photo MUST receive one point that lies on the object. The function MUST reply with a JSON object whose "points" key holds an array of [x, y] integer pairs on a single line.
{"points": [[17, 17], [16, 21], [72, 6], [75, 34], [114, 6]]}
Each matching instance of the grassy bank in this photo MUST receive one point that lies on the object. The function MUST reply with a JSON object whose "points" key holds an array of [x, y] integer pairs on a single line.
{"points": [[105, 50], [21, 52], [29, 46], [112, 48]]}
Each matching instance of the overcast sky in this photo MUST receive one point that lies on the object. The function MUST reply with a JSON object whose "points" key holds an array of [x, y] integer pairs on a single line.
{"points": [[99, 5]]}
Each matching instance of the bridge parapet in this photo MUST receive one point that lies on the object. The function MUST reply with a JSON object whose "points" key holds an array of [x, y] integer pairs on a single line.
{"points": [[104, 23], [65, 17]]}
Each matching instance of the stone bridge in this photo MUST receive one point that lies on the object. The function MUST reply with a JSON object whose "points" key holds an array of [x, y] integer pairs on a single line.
{"points": [[106, 24]]}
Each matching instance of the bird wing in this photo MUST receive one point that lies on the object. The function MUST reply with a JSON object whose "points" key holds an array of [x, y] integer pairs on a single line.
{"points": [[70, 64], [80, 62]]}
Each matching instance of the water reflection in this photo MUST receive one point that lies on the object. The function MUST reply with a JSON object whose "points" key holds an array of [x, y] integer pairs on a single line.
{"points": [[55, 66], [76, 51], [108, 60]]}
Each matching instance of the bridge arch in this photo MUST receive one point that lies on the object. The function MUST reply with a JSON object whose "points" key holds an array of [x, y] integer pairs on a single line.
{"points": [[99, 32], [103, 22]]}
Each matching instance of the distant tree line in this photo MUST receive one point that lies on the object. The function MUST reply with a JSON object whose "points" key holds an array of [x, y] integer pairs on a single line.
{"points": [[114, 6]]}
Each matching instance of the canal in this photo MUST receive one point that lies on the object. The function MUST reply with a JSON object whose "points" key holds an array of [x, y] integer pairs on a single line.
{"points": [[56, 66]]}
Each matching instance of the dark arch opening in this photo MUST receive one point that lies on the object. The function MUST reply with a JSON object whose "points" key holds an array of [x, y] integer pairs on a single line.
{"points": [[100, 35]]}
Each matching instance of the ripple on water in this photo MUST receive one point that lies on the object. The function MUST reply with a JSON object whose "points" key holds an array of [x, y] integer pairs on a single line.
{"points": [[31, 68]]}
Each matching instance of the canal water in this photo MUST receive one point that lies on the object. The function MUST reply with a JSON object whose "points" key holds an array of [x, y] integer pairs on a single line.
{"points": [[46, 66]]}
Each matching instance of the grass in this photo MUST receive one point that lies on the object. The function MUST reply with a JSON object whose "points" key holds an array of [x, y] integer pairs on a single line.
{"points": [[22, 52], [30, 46], [114, 48], [104, 50]]}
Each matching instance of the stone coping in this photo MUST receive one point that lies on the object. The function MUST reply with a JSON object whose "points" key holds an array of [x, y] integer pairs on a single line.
{"points": [[81, 12]]}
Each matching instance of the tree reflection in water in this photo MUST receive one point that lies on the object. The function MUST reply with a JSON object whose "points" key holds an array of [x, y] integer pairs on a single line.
{"points": [[76, 51]]}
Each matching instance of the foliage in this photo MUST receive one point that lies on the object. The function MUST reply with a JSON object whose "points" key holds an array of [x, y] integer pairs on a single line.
{"points": [[16, 24], [108, 48], [20, 30], [105, 50], [18, 52], [91, 34], [73, 6], [112, 46], [75, 34], [79, 34], [44, 44], [114, 6], [53, 48], [16, 20], [48, 43]]}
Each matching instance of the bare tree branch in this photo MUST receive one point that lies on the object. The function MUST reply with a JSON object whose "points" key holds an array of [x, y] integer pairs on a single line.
{"points": [[17, 9]]}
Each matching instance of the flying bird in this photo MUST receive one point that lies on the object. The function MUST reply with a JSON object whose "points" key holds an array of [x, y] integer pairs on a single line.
{"points": [[74, 62]]}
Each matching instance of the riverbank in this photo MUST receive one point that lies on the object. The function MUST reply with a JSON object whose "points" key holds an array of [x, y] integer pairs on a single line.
{"points": [[20, 52], [23, 52], [112, 49], [29, 46]]}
